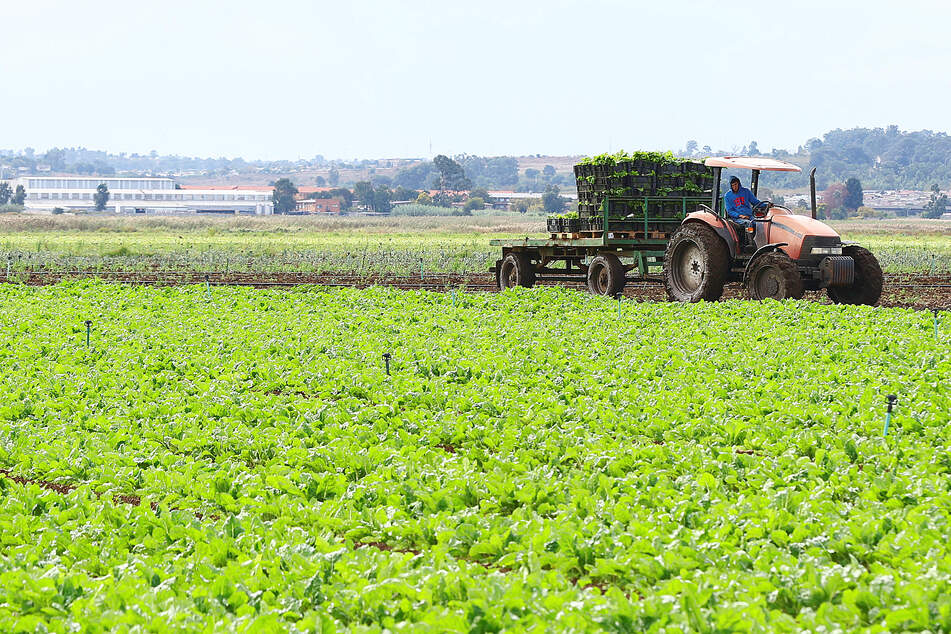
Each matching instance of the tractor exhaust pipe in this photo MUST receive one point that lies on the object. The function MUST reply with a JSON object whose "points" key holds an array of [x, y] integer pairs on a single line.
{"points": [[812, 190]]}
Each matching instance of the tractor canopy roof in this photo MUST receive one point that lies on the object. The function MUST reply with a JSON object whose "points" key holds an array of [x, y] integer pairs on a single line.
{"points": [[751, 163]]}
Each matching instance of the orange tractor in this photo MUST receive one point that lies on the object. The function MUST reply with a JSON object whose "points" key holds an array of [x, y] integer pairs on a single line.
{"points": [[781, 256]]}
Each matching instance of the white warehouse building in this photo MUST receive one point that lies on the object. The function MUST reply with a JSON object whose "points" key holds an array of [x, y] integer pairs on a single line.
{"points": [[144, 196]]}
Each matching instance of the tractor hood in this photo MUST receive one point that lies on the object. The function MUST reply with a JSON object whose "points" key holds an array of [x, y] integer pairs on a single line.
{"points": [[794, 229]]}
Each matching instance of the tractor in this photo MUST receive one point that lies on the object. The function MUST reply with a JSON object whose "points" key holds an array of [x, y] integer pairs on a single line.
{"points": [[783, 255]]}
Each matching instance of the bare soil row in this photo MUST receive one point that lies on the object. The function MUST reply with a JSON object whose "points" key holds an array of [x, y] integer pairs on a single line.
{"points": [[920, 291]]}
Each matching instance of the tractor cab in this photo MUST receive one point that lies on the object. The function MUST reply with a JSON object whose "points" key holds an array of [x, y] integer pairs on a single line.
{"points": [[749, 239]]}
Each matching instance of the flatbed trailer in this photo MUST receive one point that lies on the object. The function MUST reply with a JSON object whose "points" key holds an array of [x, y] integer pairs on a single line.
{"points": [[621, 247]]}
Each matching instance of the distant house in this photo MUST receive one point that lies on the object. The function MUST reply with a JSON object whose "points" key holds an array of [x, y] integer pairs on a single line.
{"points": [[318, 206]]}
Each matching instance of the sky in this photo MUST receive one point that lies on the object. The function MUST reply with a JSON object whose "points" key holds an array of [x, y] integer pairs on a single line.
{"points": [[289, 79]]}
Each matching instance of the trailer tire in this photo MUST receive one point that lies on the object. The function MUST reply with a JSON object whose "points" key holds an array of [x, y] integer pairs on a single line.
{"points": [[696, 264], [774, 275], [516, 270], [606, 275], [866, 288]]}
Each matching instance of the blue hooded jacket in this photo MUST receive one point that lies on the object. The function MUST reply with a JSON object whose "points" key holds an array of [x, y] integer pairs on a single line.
{"points": [[739, 204]]}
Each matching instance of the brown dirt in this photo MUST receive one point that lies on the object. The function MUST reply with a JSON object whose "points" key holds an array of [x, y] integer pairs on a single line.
{"points": [[919, 291]]}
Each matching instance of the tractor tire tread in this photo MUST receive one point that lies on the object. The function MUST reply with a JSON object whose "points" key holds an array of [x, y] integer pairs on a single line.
{"points": [[616, 275], [792, 281], [718, 263], [869, 279]]}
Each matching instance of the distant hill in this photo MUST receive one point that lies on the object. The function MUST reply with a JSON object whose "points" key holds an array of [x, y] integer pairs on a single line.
{"points": [[881, 158]]}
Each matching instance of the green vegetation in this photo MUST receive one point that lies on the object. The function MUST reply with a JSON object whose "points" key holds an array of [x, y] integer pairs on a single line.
{"points": [[283, 196], [881, 158], [622, 157], [101, 197], [242, 461], [449, 244]]}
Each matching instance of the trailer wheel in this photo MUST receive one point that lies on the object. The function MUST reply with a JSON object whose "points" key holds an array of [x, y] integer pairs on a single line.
{"points": [[866, 288], [696, 264], [774, 275], [516, 270], [606, 275]]}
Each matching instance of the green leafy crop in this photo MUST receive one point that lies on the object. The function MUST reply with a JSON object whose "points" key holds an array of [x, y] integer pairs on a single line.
{"points": [[534, 460]]}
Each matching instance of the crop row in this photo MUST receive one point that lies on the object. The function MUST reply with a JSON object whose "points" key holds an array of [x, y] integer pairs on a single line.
{"points": [[673, 468], [372, 259]]}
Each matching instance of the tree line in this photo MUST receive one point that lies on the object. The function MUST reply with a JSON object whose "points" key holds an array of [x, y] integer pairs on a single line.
{"points": [[881, 158]]}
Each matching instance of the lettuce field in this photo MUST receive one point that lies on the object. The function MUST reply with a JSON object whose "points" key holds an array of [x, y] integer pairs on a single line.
{"points": [[232, 459]]}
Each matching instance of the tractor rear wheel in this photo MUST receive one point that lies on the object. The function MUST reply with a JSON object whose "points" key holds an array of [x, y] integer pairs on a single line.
{"points": [[696, 264], [774, 276], [606, 275], [866, 287], [516, 270]]}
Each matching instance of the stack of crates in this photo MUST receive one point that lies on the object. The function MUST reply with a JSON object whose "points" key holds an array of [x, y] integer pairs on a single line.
{"points": [[638, 187]]}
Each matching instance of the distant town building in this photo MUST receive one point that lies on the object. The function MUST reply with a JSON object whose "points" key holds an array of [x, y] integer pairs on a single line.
{"points": [[145, 195], [318, 206]]}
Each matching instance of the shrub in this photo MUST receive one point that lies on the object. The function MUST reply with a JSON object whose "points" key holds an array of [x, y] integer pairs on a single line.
{"points": [[474, 203]]}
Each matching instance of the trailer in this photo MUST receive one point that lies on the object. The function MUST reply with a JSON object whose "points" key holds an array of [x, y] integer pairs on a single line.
{"points": [[604, 256]]}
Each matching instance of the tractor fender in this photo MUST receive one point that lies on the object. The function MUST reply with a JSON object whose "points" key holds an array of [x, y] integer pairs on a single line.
{"points": [[716, 223], [768, 248]]}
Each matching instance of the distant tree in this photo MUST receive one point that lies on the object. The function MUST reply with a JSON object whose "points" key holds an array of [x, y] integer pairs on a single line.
{"points": [[283, 196], [5, 193], [56, 159], [552, 200], [937, 204], [473, 204], [520, 205], [424, 198], [548, 172], [381, 200], [444, 199], [402, 193], [452, 177], [419, 176], [497, 172], [101, 197], [320, 181], [833, 198], [479, 192], [58, 210], [333, 177], [706, 150], [363, 191], [19, 196], [532, 174], [853, 194], [344, 195], [754, 148], [691, 148]]}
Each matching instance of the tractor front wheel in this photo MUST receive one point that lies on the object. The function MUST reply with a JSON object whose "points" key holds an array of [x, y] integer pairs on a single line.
{"points": [[606, 275], [516, 270], [866, 287], [774, 276], [696, 264]]}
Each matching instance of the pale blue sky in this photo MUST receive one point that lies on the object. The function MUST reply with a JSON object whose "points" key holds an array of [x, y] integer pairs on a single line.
{"points": [[291, 78]]}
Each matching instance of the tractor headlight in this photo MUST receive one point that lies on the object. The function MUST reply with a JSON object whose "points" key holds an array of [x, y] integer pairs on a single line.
{"points": [[826, 250]]}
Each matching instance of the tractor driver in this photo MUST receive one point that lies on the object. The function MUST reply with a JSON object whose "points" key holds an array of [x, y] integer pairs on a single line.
{"points": [[739, 202]]}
